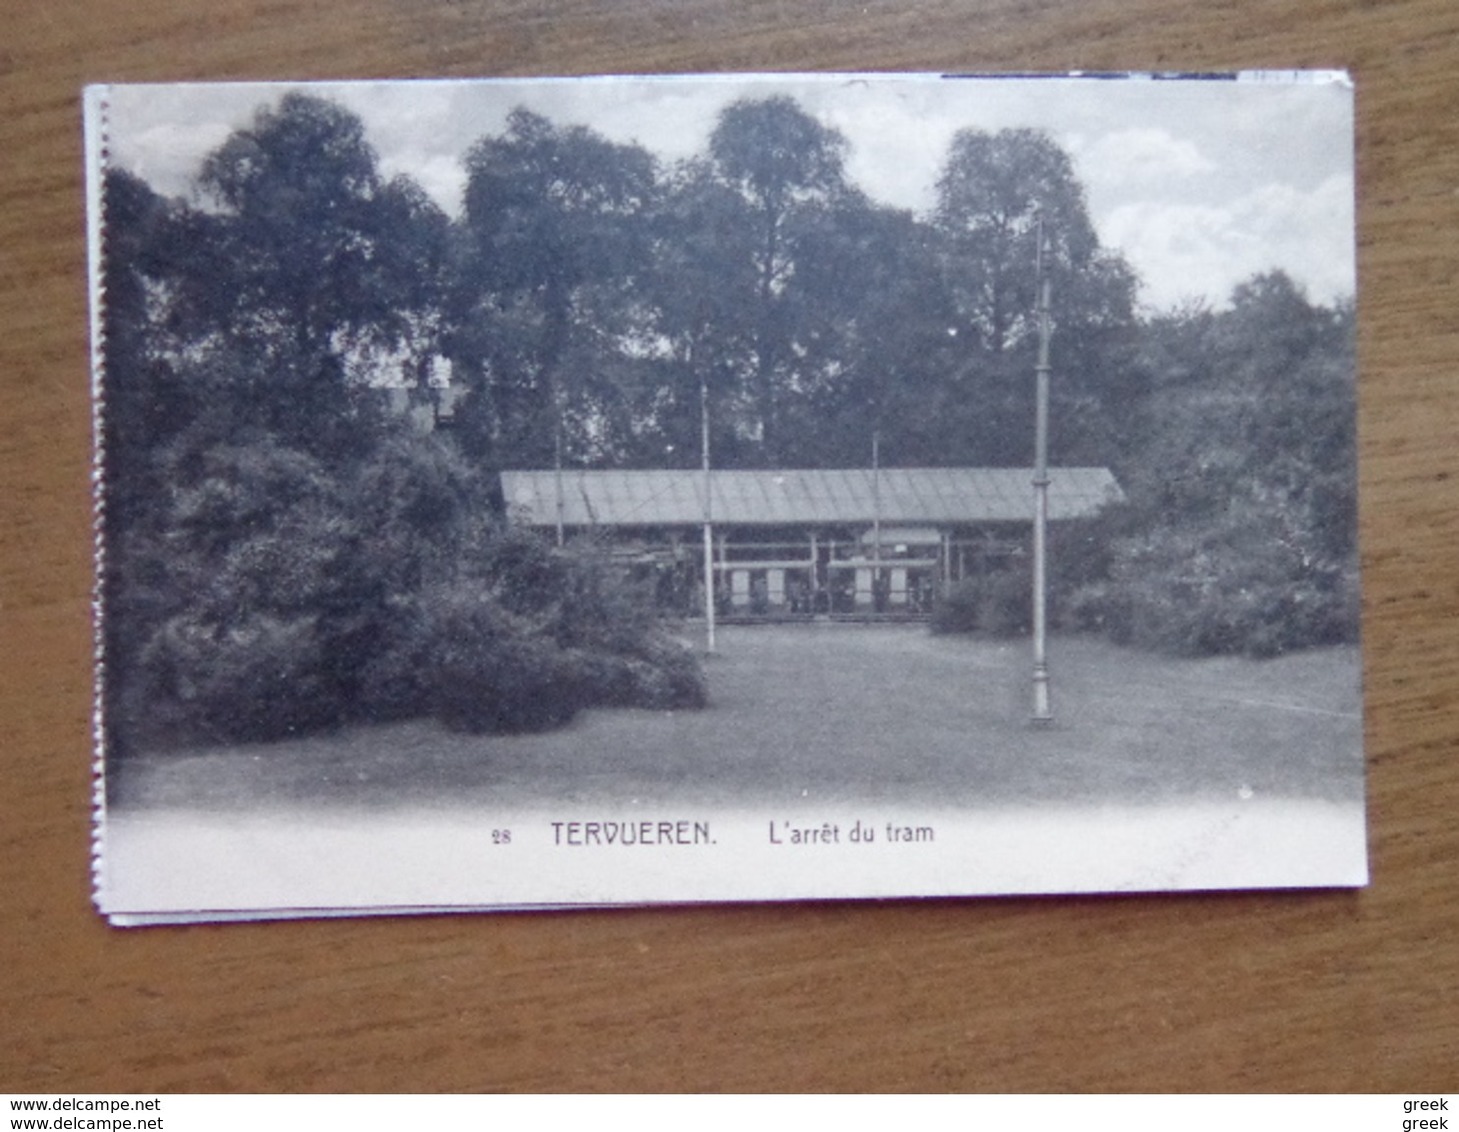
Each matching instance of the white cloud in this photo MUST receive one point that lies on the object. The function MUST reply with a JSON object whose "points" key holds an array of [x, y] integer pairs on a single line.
{"points": [[895, 155], [441, 176], [1184, 250], [166, 154], [1139, 156]]}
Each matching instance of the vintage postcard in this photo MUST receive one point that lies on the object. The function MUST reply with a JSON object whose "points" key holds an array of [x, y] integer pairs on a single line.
{"points": [[542, 493]]}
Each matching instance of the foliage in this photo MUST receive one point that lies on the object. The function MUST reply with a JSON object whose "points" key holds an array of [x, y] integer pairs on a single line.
{"points": [[551, 244], [1240, 530], [244, 601], [957, 607], [272, 598], [527, 636], [323, 275], [774, 186], [1243, 586], [999, 196], [283, 554], [998, 602], [489, 671]]}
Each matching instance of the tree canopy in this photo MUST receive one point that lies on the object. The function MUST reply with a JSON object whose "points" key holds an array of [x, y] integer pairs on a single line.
{"points": [[543, 310]]}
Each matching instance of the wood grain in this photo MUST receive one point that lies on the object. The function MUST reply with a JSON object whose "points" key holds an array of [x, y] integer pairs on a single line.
{"points": [[1344, 991]]}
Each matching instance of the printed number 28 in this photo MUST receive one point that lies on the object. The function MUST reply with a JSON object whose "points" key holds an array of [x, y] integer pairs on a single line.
{"points": [[501, 837]]}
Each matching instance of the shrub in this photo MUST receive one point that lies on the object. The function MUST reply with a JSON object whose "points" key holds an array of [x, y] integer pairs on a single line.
{"points": [[1006, 605], [667, 675], [258, 679], [492, 654], [1097, 607], [487, 670], [601, 617], [393, 680], [999, 602], [1229, 588], [273, 594], [603, 679], [603, 608], [956, 608]]}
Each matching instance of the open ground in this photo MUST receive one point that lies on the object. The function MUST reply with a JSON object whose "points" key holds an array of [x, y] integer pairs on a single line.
{"points": [[838, 713]]}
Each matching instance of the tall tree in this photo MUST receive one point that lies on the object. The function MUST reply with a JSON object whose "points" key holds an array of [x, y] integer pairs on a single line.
{"points": [[702, 275], [326, 277], [246, 339], [874, 351], [543, 305], [145, 402], [998, 194], [785, 171], [994, 193]]}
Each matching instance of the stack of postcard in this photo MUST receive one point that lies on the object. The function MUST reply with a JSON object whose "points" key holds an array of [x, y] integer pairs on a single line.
{"points": [[599, 491]]}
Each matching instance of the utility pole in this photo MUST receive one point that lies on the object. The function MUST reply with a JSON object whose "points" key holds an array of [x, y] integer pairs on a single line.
{"points": [[1041, 710], [557, 413], [708, 515], [557, 476], [875, 517]]}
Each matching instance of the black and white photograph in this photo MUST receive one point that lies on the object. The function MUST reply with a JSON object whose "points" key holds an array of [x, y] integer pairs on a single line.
{"points": [[667, 489]]}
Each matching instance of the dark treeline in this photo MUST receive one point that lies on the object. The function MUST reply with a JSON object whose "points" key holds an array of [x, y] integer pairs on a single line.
{"points": [[287, 547], [1240, 530], [596, 297]]}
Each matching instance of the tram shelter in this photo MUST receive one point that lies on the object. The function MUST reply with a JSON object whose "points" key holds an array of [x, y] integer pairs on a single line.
{"points": [[805, 542]]}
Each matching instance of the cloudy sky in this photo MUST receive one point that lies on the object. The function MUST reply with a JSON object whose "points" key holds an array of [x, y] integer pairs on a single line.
{"points": [[1199, 183]]}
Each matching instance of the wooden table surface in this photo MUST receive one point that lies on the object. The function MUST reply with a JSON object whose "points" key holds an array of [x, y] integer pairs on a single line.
{"points": [[1305, 991]]}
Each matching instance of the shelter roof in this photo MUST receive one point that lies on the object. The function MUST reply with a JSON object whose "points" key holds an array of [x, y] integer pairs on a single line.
{"points": [[802, 496]]}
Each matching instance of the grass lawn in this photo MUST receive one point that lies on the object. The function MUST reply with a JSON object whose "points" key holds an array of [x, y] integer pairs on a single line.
{"points": [[847, 712]]}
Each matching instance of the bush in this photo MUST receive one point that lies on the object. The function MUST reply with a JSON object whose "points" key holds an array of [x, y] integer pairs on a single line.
{"points": [[600, 616], [542, 634], [999, 602], [259, 679], [1221, 589], [667, 675], [393, 681], [603, 679], [272, 594], [956, 607], [488, 671], [662, 675], [1098, 607], [603, 608], [1006, 605]]}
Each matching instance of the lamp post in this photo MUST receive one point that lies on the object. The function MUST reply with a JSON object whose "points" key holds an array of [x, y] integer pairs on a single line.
{"points": [[1041, 710]]}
